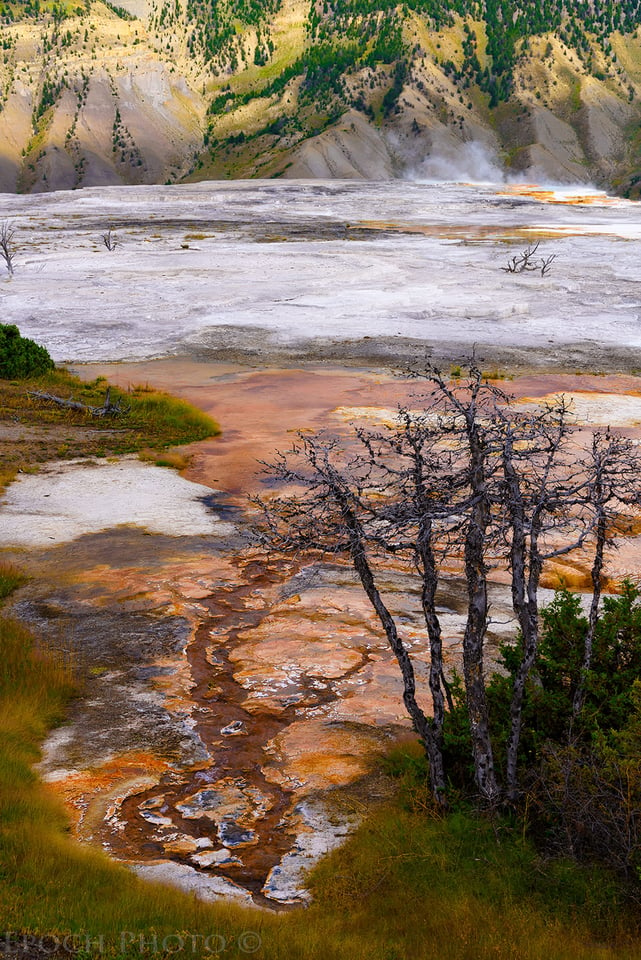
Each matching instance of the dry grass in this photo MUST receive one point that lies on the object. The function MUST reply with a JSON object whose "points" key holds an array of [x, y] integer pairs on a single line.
{"points": [[167, 458], [11, 577], [32, 432]]}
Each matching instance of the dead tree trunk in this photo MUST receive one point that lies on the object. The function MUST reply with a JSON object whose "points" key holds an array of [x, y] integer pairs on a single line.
{"points": [[331, 518], [613, 480], [108, 409], [473, 655], [7, 247], [430, 738], [439, 686], [463, 409], [526, 566], [593, 615], [477, 616]]}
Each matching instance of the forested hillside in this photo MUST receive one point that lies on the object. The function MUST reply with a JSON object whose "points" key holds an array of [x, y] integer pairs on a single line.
{"points": [[160, 90]]}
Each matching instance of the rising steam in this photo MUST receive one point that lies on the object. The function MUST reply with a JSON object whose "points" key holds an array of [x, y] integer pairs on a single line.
{"points": [[471, 162]]}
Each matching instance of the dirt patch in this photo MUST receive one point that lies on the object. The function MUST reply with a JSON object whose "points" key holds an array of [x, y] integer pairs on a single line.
{"points": [[25, 444]]}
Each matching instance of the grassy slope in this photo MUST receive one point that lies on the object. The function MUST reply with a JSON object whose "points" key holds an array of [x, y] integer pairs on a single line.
{"points": [[258, 136], [33, 431]]}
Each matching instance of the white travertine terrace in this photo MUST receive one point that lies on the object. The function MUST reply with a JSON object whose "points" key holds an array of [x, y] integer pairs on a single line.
{"points": [[303, 261], [66, 500]]}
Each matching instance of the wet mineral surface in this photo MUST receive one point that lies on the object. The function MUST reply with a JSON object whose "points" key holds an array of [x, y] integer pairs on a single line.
{"points": [[230, 698]]}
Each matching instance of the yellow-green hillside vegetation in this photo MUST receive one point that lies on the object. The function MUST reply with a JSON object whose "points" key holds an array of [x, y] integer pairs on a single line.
{"points": [[163, 90]]}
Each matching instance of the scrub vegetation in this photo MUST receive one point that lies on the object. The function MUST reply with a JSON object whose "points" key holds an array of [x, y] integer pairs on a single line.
{"points": [[20, 357], [34, 430]]}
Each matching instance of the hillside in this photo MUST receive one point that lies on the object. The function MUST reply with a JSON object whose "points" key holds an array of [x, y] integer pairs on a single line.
{"points": [[160, 91]]}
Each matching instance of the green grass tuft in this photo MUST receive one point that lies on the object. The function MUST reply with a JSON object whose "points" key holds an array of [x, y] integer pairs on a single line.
{"points": [[163, 416], [39, 430], [11, 577]]}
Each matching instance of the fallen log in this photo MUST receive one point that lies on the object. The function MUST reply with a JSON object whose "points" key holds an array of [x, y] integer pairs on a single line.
{"points": [[108, 409]]}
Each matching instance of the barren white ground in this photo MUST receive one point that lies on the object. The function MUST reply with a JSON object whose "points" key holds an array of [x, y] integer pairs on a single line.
{"points": [[292, 260], [66, 500]]}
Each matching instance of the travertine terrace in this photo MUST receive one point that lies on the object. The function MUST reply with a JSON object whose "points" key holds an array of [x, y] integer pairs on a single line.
{"points": [[235, 702]]}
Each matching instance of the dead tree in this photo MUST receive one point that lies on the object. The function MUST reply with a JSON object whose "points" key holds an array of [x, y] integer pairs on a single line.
{"points": [[522, 262], [423, 488], [107, 409], [110, 240], [334, 512], [7, 246], [464, 409], [473, 480], [545, 264], [543, 496], [614, 495], [528, 262], [414, 492]]}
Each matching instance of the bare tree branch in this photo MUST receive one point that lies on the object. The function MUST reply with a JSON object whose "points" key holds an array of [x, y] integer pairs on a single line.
{"points": [[528, 262], [7, 246], [109, 239], [462, 478]]}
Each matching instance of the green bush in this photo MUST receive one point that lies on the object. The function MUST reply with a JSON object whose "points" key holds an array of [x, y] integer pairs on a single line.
{"points": [[21, 357], [609, 685], [581, 773]]}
